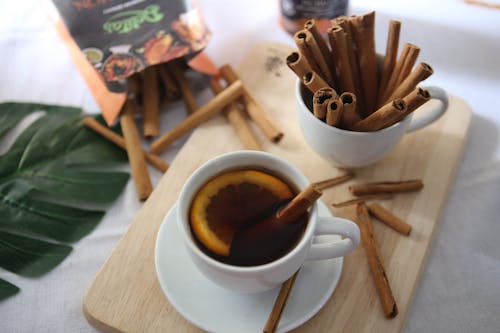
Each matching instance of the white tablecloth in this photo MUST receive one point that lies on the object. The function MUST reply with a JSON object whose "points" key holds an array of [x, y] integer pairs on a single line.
{"points": [[460, 286]]}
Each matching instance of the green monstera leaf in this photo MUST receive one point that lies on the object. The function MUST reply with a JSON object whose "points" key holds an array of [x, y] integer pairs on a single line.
{"points": [[51, 177]]}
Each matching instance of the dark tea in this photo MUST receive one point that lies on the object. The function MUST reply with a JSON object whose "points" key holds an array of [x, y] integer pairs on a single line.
{"points": [[228, 212]]}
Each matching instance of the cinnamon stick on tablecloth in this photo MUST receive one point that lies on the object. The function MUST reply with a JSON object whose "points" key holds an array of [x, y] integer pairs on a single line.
{"points": [[135, 155], [94, 125], [391, 54], [387, 187], [185, 88], [210, 109], [298, 64], [350, 114], [253, 107], [279, 305], [389, 219], [375, 261], [237, 119], [383, 117], [363, 34], [150, 102]]}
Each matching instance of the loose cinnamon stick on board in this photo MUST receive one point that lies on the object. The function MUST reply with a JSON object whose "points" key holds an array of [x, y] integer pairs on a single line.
{"points": [[364, 198], [391, 54], [94, 125], [320, 101], [375, 261], [279, 305], [350, 115], [313, 82], [210, 109], [312, 27], [334, 112], [363, 34], [309, 48], [338, 41], [135, 155], [172, 90], [422, 72], [387, 187], [382, 118], [150, 103], [298, 64], [185, 88], [389, 219], [237, 119], [327, 183], [253, 107]]}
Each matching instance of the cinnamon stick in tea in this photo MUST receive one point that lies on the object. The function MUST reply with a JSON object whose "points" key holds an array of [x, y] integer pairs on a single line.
{"points": [[382, 118], [350, 115], [310, 50], [327, 183], [391, 54], [375, 262], [313, 82], [150, 102], [387, 187], [210, 109], [97, 127], [298, 64], [421, 72], [253, 107], [311, 26], [338, 41], [320, 101], [279, 305], [172, 90], [135, 155], [186, 90], [363, 34], [389, 219], [334, 112], [237, 119], [363, 198]]}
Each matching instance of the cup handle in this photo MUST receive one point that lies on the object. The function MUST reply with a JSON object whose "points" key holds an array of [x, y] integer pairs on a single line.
{"points": [[338, 226], [432, 114]]}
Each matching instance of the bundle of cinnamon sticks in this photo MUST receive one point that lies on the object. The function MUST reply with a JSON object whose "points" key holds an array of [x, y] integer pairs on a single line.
{"points": [[349, 91]]}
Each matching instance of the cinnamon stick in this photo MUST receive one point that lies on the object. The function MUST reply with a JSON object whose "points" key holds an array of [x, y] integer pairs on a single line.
{"points": [[391, 53], [237, 119], [350, 115], [363, 34], [150, 103], [299, 204], [298, 64], [210, 109], [413, 101], [364, 198], [389, 219], [338, 41], [334, 112], [172, 90], [97, 127], [387, 187], [375, 261], [186, 91], [327, 183], [313, 82], [279, 305], [312, 27], [253, 107], [410, 60], [135, 155], [320, 101], [422, 72], [383, 117], [310, 50]]}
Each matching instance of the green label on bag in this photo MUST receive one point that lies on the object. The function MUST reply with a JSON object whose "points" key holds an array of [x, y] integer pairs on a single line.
{"points": [[125, 22]]}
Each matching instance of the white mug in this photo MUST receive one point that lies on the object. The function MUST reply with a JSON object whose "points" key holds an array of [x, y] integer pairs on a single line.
{"points": [[349, 149], [265, 276]]}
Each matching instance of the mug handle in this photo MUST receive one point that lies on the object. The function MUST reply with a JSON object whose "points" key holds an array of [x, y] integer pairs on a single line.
{"points": [[432, 114], [338, 226]]}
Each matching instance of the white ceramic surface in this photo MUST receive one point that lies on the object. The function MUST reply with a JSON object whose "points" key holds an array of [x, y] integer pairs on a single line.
{"points": [[350, 149], [266, 276], [217, 309]]}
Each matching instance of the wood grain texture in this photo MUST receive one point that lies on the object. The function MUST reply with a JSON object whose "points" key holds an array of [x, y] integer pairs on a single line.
{"points": [[126, 296]]}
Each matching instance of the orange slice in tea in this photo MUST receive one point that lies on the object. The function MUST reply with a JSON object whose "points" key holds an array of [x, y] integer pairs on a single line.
{"points": [[231, 201]]}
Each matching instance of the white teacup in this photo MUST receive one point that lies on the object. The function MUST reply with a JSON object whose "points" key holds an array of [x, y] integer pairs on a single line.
{"points": [[349, 149], [266, 276]]}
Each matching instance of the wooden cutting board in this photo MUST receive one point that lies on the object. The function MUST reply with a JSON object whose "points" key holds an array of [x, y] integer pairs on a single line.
{"points": [[126, 296]]}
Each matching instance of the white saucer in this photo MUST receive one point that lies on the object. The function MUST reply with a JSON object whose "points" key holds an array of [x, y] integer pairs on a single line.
{"points": [[216, 309]]}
